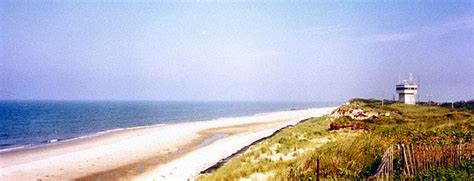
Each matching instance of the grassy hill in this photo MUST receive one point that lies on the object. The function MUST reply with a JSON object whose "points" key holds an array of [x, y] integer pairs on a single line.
{"points": [[351, 143]]}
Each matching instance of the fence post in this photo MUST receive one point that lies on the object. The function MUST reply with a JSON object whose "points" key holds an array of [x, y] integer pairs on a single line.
{"points": [[413, 157], [387, 167], [406, 161], [317, 169]]}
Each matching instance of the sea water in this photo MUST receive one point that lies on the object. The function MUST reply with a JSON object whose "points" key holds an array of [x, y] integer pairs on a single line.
{"points": [[33, 123]]}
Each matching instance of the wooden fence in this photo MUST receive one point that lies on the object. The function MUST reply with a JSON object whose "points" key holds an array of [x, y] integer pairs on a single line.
{"points": [[413, 159]]}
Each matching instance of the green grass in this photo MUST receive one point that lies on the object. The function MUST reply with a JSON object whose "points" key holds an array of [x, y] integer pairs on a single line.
{"points": [[466, 171], [355, 151], [287, 141]]}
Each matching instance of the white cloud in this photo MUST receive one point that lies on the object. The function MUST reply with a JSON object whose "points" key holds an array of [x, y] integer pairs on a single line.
{"points": [[389, 37], [435, 29], [247, 52], [446, 27], [322, 30]]}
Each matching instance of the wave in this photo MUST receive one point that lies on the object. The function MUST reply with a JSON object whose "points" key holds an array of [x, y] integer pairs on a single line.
{"points": [[56, 141]]}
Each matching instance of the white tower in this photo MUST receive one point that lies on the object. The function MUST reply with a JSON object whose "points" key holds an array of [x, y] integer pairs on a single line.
{"points": [[407, 91]]}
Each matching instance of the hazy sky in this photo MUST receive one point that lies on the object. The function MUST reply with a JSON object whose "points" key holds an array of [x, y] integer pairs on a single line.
{"points": [[274, 51]]}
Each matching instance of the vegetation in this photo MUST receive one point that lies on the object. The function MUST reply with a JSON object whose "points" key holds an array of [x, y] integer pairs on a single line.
{"points": [[351, 142], [466, 105]]}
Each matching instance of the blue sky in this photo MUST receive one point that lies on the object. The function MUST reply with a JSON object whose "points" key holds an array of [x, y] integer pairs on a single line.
{"points": [[244, 50]]}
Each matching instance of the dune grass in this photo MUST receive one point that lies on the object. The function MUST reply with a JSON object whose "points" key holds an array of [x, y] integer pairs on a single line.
{"points": [[353, 150], [287, 143]]}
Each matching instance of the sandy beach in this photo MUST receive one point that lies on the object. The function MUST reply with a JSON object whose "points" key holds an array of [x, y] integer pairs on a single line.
{"points": [[171, 151]]}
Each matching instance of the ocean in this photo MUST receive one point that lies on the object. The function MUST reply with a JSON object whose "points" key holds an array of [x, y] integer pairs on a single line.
{"points": [[38, 123]]}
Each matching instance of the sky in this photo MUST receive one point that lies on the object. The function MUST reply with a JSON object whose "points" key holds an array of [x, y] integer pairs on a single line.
{"points": [[234, 50]]}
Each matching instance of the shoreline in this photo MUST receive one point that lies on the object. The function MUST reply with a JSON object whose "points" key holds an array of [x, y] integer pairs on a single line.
{"points": [[86, 136], [60, 141], [132, 170], [110, 157]]}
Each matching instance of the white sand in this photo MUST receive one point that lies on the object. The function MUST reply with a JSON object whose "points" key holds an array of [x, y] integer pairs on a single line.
{"points": [[190, 165], [84, 157]]}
